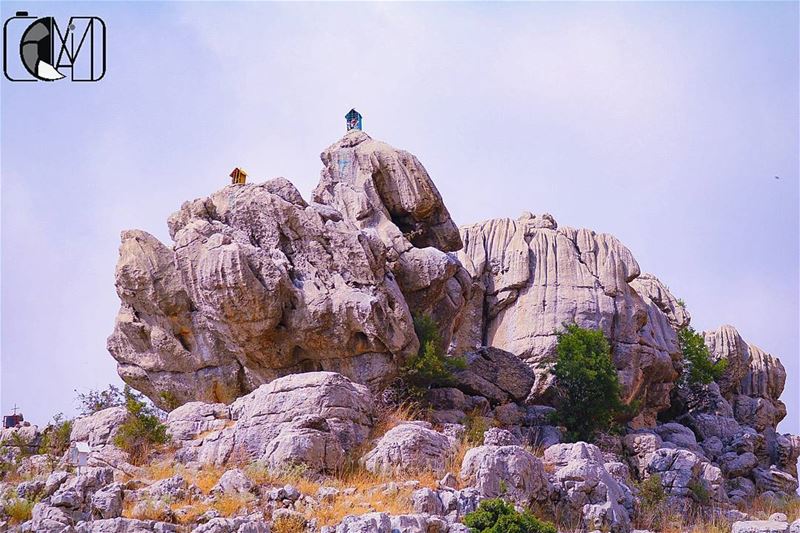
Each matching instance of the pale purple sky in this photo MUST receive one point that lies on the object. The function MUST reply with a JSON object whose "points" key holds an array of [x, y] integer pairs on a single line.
{"points": [[662, 123]]}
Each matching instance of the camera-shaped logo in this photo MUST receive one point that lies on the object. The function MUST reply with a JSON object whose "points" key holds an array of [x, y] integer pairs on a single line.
{"points": [[36, 48]]}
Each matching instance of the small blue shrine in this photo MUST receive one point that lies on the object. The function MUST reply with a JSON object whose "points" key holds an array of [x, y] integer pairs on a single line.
{"points": [[353, 119]]}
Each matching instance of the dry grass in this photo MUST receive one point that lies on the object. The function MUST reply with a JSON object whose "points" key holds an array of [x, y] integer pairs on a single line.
{"points": [[289, 524], [231, 504], [161, 470], [144, 510], [390, 417], [188, 513], [761, 508], [206, 478], [167, 467], [18, 510], [368, 491]]}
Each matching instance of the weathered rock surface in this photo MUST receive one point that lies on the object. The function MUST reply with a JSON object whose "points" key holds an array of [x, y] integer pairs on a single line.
{"points": [[760, 526], [260, 283], [388, 191], [99, 428], [753, 379], [125, 525], [311, 419], [530, 277], [586, 489], [508, 471], [408, 448], [495, 374]]}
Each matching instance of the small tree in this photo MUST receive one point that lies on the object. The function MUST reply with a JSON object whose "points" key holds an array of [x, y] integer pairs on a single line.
{"points": [[97, 400], [55, 437], [498, 516], [698, 368], [430, 366], [588, 390], [142, 430]]}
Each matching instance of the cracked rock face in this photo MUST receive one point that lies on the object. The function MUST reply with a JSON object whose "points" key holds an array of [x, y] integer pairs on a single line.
{"points": [[586, 488], [531, 276], [312, 419], [259, 283], [753, 381], [390, 194]]}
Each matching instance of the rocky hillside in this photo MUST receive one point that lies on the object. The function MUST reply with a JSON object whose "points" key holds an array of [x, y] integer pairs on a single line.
{"points": [[274, 328]]}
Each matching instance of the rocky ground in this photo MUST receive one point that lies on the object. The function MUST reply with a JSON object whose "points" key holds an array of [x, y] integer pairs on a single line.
{"points": [[273, 331]]}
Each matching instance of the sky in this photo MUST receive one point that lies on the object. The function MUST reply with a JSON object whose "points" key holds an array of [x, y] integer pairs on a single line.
{"points": [[664, 124]]}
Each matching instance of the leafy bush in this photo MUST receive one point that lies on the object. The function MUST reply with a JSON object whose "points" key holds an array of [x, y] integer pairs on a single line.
{"points": [[97, 400], [430, 366], [698, 368], [142, 430], [55, 437], [498, 516], [588, 390]]}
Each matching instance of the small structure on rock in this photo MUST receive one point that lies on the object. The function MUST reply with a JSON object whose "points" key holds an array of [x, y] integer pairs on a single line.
{"points": [[238, 176], [353, 119], [14, 420], [79, 454]]}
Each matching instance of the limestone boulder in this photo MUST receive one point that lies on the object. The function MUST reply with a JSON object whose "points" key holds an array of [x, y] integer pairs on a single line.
{"points": [[495, 374], [760, 526], [259, 283], [586, 490], [508, 471], [311, 419], [125, 525], [99, 429], [410, 447]]}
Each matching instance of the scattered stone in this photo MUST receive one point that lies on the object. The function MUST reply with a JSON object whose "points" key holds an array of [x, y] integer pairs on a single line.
{"points": [[233, 482], [499, 437], [760, 526]]}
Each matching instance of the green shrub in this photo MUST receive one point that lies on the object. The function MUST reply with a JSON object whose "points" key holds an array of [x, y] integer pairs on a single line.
{"points": [[698, 368], [97, 400], [430, 366], [700, 493], [498, 516], [169, 400], [18, 510], [588, 390], [26, 447], [142, 431], [55, 437], [651, 491], [475, 426]]}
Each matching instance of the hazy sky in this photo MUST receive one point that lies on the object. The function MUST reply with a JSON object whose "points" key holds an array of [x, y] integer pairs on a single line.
{"points": [[663, 124]]}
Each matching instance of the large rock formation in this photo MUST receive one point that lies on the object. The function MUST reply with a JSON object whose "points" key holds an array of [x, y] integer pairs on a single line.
{"points": [[260, 284], [530, 277]]}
